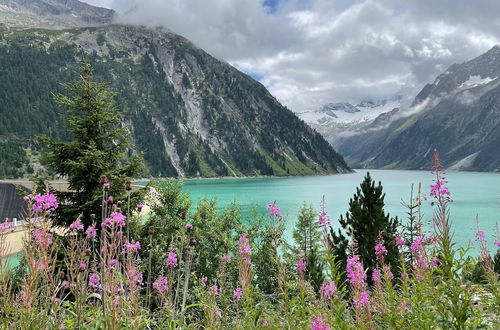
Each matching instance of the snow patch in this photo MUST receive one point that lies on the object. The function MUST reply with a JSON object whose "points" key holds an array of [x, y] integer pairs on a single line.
{"points": [[475, 81]]}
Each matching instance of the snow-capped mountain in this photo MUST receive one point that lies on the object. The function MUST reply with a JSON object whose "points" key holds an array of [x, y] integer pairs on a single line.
{"points": [[345, 114]]}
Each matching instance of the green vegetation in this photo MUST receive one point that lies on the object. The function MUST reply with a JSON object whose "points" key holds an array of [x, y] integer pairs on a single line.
{"points": [[97, 147]]}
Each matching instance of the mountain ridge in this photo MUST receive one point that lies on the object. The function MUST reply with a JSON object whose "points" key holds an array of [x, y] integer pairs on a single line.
{"points": [[193, 115]]}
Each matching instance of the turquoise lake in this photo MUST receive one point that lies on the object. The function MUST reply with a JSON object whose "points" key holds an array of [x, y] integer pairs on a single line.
{"points": [[474, 195]]}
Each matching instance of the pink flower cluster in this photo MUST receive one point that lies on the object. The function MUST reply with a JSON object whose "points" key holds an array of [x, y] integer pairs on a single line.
{"points": [[355, 271], [364, 299], [274, 210], [319, 324], [6, 227], [244, 246], [301, 266], [42, 238], [94, 281], [132, 247], [480, 237], [115, 218], [76, 226], [380, 250], [324, 220], [376, 275], [237, 294], [440, 191], [91, 232], [172, 260], [327, 291], [400, 241], [225, 258], [214, 290], [161, 284], [43, 203]]}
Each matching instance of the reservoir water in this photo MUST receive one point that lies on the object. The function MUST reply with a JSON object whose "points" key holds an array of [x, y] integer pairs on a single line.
{"points": [[474, 195]]}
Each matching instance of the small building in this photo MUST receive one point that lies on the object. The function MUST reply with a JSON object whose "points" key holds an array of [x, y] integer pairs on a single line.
{"points": [[12, 204]]}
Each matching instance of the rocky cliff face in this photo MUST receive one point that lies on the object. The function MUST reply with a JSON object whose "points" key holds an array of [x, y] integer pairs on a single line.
{"points": [[191, 114]]}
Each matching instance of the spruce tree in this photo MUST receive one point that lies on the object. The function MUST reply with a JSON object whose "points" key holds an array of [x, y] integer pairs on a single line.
{"points": [[362, 224], [98, 145]]}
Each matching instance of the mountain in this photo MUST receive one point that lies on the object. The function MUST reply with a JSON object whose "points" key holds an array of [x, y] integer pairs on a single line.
{"points": [[191, 114], [458, 114], [336, 121]]}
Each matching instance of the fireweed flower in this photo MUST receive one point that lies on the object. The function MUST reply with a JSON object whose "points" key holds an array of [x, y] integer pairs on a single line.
{"points": [[43, 203], [189, 226], [400, 240], [376, 275], [237, 294], [417, 244], [132, 247], [244, 246], [6, 227], [140, 207], [319, 324], [91, 232], [94, 281], [42, 239], [226, 258], [113, 262], [115, 218], [214, 290], [83, 266], [324, 220], [172, 260], [76, 226], [105, 186], [274, 210], [161, 284], [380, 250], [480, 236], [364, 299], [301, 266], [355, 271], [327, 290]]}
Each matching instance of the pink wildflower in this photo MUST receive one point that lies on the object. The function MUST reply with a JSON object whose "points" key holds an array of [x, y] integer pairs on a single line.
{"points": [[274, 210], [218, 314], [172, 260], [94, 281], [400, 240], [214, 290], [380, 250], [189, 226], [363, 300], [324, 220], [113, 262], [301, 266], [140, 207], [6, 226], [91, 232], [435, 262], [244, 246], [237, 294], [355, 271], [161, 284], [76, 226], [319, 324], [83, 266], [497, 243], [226, 258], [376, 275], [42, 238], [417, 244], [327, 290], [480, 237], [403, 307], [115, 218], [132, 247], [43, 203], [105, 186]]}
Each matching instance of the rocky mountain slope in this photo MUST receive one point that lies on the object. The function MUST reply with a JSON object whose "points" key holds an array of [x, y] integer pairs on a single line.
{"points": [[191, 114], [458, 114]]}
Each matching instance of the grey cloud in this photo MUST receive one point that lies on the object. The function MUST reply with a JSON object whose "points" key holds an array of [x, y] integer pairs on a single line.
{"points": [[310, 52]]}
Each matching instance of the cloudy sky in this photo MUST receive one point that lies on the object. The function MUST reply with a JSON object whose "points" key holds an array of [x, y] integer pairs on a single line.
{"points": [[309, 52]]}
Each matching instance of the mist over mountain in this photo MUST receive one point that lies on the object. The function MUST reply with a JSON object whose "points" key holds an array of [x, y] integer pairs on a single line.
{"points": [[458, 114]]}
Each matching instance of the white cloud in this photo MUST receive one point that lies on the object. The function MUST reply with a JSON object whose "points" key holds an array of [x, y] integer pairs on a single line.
{"points": [[309, 52]]}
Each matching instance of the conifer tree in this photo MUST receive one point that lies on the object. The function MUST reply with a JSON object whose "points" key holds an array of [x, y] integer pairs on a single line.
{"points": [[99, 142], [362, 224]]}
